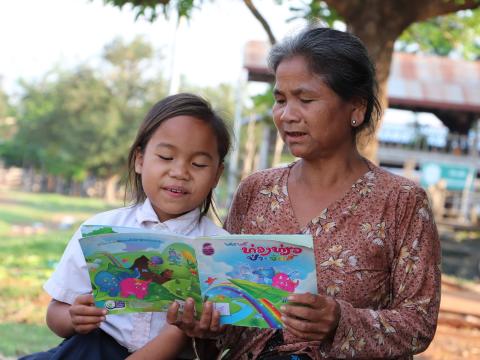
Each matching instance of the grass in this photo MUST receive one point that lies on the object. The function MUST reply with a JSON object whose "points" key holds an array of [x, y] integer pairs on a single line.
{"points": [[31, 244]]}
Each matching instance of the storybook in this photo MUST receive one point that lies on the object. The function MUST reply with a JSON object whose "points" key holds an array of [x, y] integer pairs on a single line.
{"points": [[247, 277]]}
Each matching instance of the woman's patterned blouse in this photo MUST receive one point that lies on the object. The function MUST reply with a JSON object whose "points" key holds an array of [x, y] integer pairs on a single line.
{"points": [[377, 253]]}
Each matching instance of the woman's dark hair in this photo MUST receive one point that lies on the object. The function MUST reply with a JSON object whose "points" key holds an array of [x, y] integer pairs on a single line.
{"points": [[169, 107], [342, 60]]}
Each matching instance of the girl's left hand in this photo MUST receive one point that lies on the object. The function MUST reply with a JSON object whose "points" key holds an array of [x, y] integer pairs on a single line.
{"points": [[311, 317], [207, 327]]}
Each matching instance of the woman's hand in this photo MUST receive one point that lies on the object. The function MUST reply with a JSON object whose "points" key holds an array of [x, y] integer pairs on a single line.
{"points": [[85, 316], [311, 317], [207, 327]]}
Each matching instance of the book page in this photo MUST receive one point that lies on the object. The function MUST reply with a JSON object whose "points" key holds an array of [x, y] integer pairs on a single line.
{"points": [[249, 277], [139, 271]]}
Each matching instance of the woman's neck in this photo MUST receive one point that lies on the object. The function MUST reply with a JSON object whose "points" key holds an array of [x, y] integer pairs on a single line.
{"points": [[329, 172]]}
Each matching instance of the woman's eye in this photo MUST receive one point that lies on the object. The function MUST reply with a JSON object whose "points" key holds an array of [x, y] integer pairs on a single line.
{"points": [[199, 165], [306, 101], [165, 157], [280, 101]]}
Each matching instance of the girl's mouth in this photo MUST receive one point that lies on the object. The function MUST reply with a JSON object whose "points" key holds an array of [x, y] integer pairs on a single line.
{"points": [[176, 190]]}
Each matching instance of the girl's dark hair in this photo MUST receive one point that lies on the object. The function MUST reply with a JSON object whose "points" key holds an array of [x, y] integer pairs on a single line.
{"points": [[342, 60], [169, 107]]}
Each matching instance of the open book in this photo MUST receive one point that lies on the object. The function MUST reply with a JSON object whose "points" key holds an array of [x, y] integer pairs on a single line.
{"points": [[247, 277]]}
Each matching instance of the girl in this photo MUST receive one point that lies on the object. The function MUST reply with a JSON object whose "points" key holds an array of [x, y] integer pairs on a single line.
{"points": [[174, 164]]}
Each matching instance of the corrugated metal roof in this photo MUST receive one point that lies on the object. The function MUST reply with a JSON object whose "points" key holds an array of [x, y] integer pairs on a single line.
{"points": [[419, 81]]}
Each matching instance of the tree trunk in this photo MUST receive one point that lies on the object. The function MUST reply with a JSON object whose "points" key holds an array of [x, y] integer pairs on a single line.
{"points": [[111, 188], [250, 145], [277, 155], [378, 23]]}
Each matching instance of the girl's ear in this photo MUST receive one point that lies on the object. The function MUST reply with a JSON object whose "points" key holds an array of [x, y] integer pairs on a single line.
{"points": [[219, 173], [138, 161]]}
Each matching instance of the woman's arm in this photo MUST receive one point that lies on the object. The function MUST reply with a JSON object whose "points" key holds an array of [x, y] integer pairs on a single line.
{"points": [[408, 325], [166, 345]]}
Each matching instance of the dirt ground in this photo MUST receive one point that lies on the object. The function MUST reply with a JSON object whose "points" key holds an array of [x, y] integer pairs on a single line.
{"points": [[458, 331]]}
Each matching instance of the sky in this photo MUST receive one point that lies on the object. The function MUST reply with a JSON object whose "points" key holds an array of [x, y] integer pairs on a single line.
{"points": [[37, 35]]}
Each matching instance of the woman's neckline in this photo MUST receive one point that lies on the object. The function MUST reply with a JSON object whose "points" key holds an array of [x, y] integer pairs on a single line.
{"points": [[334, 204]]}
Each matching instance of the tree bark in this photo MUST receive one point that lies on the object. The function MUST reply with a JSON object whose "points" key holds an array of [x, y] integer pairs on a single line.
{"points": [[378, 23], [111, 188]]}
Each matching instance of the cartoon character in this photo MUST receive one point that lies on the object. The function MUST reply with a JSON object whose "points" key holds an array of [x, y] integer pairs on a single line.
{"points": [[133, 286], [156, 260], [173, 257], [210, 280], [283, 281], [264, 275], [208, 249], [107, 282]]}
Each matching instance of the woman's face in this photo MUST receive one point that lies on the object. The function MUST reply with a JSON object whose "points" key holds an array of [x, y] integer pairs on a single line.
{"points": [[312, 119]]}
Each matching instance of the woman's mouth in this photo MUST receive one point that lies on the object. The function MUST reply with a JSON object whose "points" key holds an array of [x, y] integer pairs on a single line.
{"points": [[294, 135]]}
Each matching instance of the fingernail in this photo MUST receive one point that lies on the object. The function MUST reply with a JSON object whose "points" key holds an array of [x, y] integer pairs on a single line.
{"points": [[283, 308], [290, 298], [104, 312]]}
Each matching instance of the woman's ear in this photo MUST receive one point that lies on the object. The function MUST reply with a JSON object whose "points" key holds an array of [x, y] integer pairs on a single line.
{"points": [[359, 107], [138, 161]]}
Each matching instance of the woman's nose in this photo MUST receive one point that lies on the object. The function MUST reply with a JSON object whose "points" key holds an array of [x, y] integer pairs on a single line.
{"points": [[289, 113]]}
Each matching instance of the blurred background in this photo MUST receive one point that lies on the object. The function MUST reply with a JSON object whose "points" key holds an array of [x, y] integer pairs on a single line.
{"points": [[77, 77]]}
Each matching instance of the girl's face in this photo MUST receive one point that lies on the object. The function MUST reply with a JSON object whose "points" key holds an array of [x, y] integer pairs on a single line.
{"points": [[312, 119], [179, 167]]}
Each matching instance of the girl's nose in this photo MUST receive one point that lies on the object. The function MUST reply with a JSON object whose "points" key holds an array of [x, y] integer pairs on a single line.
{"points": [[179, 170]]}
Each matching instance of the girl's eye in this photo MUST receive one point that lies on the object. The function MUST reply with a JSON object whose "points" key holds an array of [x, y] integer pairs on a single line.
{"points": [[167, 158], [199, 165]]}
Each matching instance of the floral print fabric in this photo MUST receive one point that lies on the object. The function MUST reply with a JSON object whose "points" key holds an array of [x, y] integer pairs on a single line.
{"points": [[377, 253]]}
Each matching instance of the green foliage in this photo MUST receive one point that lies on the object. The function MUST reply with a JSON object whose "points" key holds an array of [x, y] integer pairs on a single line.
{"points": [[81, 121], [31, 246], [454, 33], [151, 9], [314, 11], [21, 339]]}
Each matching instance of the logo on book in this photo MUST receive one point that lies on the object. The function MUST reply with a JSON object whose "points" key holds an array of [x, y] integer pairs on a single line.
{"points": [[112, 304]]}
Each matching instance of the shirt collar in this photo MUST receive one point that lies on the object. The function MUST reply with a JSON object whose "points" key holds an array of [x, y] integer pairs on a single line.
{"points": [[183, 224]]}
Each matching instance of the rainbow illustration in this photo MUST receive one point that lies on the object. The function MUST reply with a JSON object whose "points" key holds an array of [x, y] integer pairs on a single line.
{"points": [[272, 308], [264, 307]]}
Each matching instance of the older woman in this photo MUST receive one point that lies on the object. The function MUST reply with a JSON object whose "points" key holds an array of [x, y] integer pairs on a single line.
{"points": [[375, 240]]}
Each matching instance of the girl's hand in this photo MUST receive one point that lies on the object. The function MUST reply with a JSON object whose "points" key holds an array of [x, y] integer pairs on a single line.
{"points": [[207, 327], [85, 316], [311, 317]]}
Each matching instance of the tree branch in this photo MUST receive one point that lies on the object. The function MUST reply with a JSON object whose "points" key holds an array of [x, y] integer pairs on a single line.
{"points": [[434, 8], [253, 9]]}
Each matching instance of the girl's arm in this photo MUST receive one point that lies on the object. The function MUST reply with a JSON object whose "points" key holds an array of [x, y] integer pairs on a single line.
{"points": [[58, 319], [165, 346], [81, 317]]}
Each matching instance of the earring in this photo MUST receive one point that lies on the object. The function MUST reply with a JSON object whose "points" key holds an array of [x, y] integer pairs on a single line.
{"points": [[354, 122]]}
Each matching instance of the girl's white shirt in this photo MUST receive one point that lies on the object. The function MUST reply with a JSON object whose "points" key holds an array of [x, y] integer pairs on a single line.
{"points": [[70, 277]]}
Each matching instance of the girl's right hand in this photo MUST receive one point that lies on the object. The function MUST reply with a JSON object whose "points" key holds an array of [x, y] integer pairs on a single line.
{"points": [[85, 316], [206, 328]]}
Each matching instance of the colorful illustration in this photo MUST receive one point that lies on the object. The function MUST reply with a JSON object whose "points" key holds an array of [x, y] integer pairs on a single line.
{"points": [[248, 277]]}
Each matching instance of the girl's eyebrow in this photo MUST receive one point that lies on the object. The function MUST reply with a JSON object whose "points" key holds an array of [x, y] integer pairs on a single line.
{"points": [[198, 153]]}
